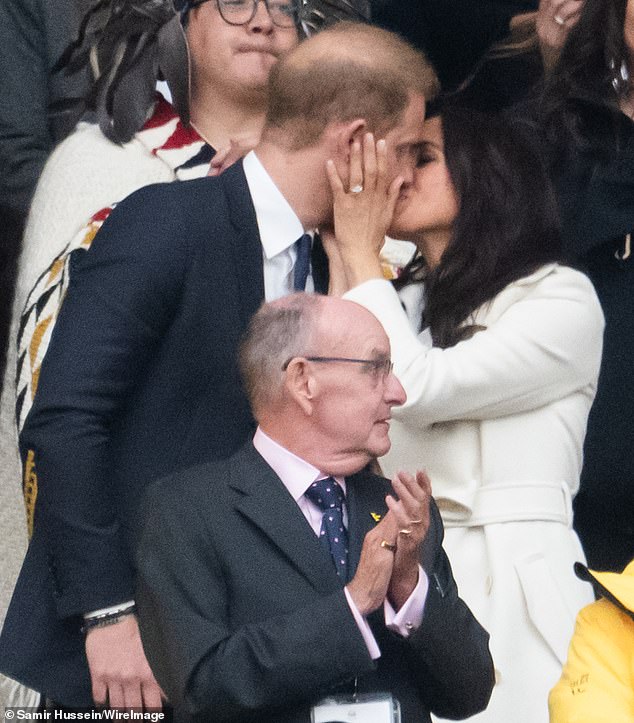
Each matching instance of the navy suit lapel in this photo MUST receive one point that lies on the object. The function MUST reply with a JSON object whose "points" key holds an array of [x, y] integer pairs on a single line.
{"points": [[268, 505], [247, 251], [247, 248]]}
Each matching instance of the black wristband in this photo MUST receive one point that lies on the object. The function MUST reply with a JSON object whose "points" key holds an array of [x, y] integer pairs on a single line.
{"points": [[102, 621]]}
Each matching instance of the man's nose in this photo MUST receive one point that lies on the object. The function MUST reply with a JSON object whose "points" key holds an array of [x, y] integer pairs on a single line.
{"points": [[395, 395], [407, 171]]}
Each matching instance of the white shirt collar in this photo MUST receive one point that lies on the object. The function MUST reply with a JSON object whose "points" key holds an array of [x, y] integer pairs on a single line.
{"points": [[277, 222]]}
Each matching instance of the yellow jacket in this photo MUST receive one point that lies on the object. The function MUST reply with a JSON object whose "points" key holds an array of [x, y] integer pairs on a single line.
{"points": [[597, 683]]}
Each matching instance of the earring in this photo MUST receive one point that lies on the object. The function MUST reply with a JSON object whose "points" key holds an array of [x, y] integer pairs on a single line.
{"points": [[620, 77]]}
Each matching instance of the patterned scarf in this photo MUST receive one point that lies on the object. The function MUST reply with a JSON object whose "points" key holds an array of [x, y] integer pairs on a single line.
{"points": [[180, 148]]}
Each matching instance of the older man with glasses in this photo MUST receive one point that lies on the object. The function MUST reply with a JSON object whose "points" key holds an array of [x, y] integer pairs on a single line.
{"points": [[288, 581]]}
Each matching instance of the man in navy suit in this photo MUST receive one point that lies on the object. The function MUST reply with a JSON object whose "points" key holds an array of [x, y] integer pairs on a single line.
{"points": [[141, 379], [258, 594]]}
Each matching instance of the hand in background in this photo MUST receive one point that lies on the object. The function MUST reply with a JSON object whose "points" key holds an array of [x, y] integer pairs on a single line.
{"points": [[411, 513], [555, 20], [226, 157], [120, 674]]}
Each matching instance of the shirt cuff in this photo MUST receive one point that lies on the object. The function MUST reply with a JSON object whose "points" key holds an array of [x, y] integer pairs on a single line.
{"points": [[108, 611], [410, 616], [364, 628]]}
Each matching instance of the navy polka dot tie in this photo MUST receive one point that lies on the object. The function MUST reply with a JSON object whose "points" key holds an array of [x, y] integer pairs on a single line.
{"points": [[329, 497]]}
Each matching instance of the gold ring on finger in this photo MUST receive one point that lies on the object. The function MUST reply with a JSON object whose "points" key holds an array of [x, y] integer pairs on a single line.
{"points": [[388, 546], [405, 532]]}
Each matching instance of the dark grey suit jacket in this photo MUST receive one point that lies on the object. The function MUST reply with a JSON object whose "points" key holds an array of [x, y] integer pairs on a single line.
{"points": [[243, 617]]}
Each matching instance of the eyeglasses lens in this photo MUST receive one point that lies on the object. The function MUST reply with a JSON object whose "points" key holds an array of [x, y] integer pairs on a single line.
{"points": [[241, 12]]}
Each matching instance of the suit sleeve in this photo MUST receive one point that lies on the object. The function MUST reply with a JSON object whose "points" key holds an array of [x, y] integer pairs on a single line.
{"points": [[199, 656], [542, 347], [449, 652], [122, 295]]}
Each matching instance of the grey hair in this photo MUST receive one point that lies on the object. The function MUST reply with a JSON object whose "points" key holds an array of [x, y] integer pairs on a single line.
{"points": [[278, 332]]}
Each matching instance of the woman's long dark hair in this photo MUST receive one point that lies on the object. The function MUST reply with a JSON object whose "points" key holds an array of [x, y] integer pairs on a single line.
{"points": [[583, 78], [506, 227]]}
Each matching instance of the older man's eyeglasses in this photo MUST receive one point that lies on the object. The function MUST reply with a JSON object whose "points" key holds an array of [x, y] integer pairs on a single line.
{"points": [[379, 367], [241, 12]]}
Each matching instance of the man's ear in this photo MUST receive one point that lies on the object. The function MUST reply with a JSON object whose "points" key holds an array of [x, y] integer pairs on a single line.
{"points": [[301, 385], [346, 135]]}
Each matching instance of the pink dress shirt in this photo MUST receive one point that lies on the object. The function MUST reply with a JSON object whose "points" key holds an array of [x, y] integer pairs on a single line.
{"points": [[297, 475]]}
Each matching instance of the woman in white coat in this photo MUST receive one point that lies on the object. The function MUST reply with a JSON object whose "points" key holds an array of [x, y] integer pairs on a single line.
{"points": [[499, 353]]}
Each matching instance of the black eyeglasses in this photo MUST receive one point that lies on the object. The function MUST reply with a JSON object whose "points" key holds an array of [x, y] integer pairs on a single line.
{"points": [[382, 367], [242, 12]]}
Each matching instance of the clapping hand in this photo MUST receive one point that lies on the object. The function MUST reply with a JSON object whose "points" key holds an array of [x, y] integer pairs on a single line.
{"points": [[368, 588], [390, 556], [411, 513]]}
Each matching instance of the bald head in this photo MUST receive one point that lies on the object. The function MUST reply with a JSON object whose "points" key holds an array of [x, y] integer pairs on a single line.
{"points": [[348, 71], [341, 326], [317, 371], [297, 325]]}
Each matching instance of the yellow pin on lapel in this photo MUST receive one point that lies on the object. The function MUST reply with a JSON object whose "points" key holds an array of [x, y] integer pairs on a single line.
{"points": [[376, 517]]}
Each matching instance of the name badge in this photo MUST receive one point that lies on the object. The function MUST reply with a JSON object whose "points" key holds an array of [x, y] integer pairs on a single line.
{"points": [[365, 708]]}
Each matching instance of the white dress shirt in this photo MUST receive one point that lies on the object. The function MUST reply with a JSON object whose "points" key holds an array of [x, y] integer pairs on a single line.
{"points": [[297, 475], [279, 229]]}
